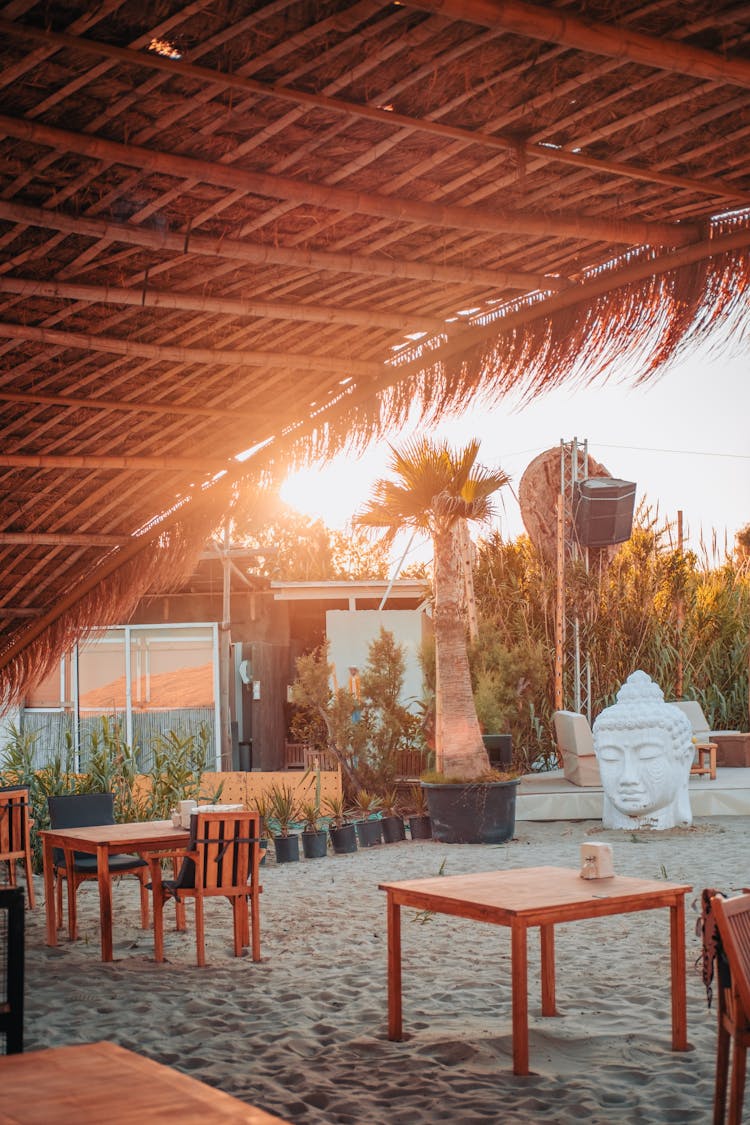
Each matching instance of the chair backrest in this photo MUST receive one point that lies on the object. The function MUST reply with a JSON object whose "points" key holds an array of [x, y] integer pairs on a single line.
{"points": [[81, 810], [696, 718], [14, 806], [227, 845], [573, 733], [733, 923]]}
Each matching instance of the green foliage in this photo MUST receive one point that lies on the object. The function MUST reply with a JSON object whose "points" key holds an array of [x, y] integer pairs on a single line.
{"points": [[282, 803], [337, 809], [290, 546], [650, 606], [366, 804], [366, 734], [110, 766]]}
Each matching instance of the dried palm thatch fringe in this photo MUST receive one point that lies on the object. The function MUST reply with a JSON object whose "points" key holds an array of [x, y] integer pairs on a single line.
{"points": [[640, 326], [161, 558]]}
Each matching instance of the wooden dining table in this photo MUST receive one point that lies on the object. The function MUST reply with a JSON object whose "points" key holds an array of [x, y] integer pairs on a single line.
{"points": [[142, 837], [522, 898], [93, 1083]]}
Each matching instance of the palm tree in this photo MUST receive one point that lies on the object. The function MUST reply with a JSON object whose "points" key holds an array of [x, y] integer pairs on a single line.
{"points": [[438, 491]]}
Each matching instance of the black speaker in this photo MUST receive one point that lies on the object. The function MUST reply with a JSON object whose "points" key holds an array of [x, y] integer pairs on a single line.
{"points": [[603, 511]]}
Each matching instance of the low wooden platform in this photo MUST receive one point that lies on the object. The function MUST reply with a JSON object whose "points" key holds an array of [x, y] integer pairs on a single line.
{"points": [[548, 796]]}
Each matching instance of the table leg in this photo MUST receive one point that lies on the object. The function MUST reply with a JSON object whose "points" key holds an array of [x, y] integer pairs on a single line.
{"points": [[547, 941], [105, 901], [520, 1003], [49, 893], [679, 987], [395, 1021], [70, 890]]}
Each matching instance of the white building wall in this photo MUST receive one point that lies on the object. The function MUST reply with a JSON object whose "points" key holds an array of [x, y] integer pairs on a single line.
{"points": [[350, 633]]}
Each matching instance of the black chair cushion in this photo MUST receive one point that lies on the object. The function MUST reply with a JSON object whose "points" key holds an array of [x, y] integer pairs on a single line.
{"points": [[84, 863]]}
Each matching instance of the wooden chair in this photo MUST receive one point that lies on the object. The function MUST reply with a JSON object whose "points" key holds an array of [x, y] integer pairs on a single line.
{"points": [[732, 917], [15, 835], [84, 810], [11, 968], [222, 860]]}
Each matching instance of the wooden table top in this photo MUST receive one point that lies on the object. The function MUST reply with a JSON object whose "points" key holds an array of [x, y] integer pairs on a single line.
{"points": [[123, 835], [529, 891], [93, 1083]]}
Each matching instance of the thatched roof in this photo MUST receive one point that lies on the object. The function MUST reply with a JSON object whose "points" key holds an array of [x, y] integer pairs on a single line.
{"points": [[283, 222]]}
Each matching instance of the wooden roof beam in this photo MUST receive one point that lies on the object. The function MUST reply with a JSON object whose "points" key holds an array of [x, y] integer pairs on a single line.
{"points": [[555, 26], [59, 40], [236, 250], [198, 356], [348, 200], [135, 406], [49, 539], [93, 461], [189, 302]]}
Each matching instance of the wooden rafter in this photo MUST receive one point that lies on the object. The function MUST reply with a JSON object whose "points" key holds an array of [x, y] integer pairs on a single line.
{"points": [[348, 200], [388, 118], [48, 539], [202, 356], [234, 250], [132, 406], [150, 298], [88, 461], [553, 26]]}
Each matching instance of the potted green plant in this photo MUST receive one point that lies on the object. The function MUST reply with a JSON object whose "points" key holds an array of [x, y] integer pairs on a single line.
{"points": [[263, 809], [391, 822], [438, 492], [367, 824], [340, 828], [420, 825], [283, 813], [314, 838]]}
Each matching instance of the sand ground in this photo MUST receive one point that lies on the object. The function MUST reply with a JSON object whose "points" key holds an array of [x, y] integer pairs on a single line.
{"points": [[303, 1033]]}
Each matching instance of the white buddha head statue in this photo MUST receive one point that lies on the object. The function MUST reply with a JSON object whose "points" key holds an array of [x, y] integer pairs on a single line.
{"points": [[644, 748]]}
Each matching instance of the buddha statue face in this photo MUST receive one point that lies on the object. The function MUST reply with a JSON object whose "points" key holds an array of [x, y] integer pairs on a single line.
{"points": [[644, 751]]}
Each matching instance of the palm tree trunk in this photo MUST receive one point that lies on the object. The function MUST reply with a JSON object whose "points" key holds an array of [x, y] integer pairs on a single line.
{"points": [[459, 750]]}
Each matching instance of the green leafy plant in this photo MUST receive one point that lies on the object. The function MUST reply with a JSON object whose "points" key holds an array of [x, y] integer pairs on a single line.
{"points": [[310, 815], [338, 810], [365, 804], [282, 807]]}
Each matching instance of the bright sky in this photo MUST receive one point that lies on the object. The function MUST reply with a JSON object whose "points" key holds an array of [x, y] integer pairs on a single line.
{"points": [[684, 439]]}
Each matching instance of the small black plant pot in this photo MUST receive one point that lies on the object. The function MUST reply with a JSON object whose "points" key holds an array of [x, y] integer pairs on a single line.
{"points": [[478, 812], [287, 848], [368, 833], [393, 829], [343, 838], [314, 844], [420, 827], [263, 846]]}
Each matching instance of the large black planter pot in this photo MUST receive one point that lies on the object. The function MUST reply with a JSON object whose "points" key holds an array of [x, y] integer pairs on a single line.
{"points": [[479, 812], [420, 827], [499, 749], [287, 848], [344, 839], [368, 833], [314, 844], [393, 829]]}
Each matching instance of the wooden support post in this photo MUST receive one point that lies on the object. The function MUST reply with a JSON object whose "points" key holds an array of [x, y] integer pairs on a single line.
{"points": [[560, 604]]}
